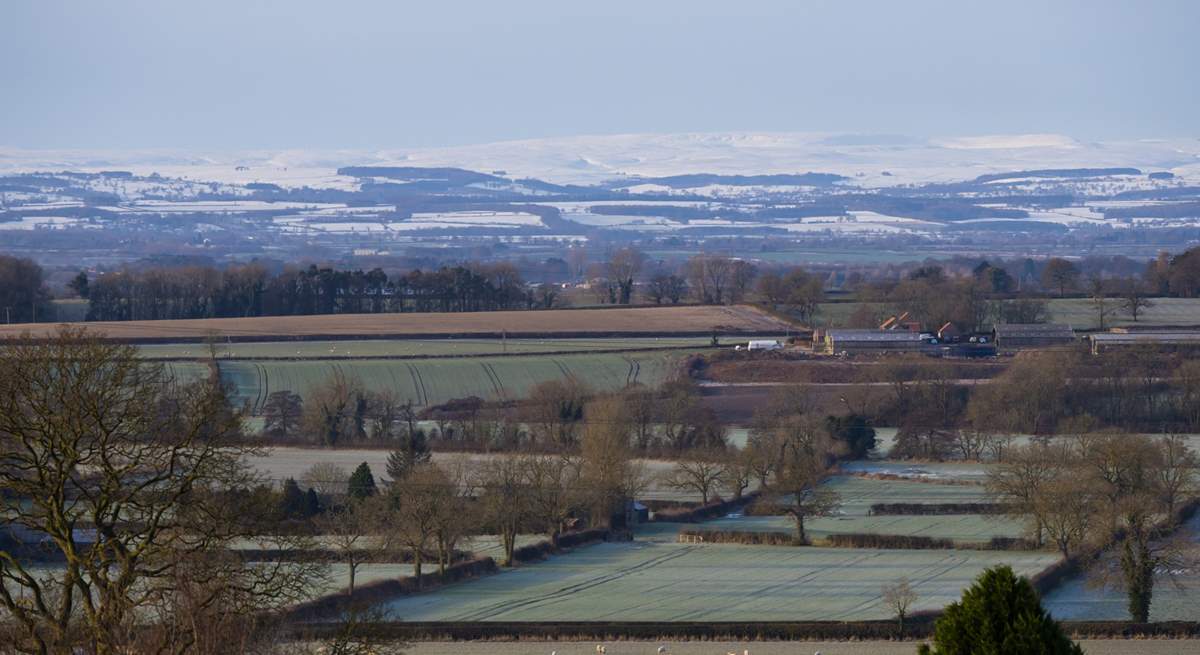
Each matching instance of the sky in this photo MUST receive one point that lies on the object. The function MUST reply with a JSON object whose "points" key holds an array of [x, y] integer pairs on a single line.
{"points": [[246, 74]]}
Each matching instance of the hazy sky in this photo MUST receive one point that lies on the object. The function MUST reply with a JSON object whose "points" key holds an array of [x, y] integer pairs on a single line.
{"points": [[395, 73]]}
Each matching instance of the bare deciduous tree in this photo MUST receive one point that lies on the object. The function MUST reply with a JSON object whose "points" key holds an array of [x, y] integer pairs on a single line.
{"points": [[805, 455], [898, 598], [554, 492], [504, 501], [607, 470], [698, 471], [352, 531], [91, 435]]}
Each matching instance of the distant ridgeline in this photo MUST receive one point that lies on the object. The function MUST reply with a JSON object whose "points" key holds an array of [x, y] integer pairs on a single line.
{"points": [[1058, 173]]}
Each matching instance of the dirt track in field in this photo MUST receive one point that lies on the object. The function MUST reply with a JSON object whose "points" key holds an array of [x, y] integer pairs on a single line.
{"points": [[625, 321]]}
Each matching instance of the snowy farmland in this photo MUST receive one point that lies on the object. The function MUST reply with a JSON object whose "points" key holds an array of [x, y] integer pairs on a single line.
{"points": [[649, 581]]}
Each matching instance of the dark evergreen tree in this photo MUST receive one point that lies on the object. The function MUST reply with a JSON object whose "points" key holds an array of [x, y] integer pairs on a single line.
{"points": [[854, 431], [291, 504], [999, 615], [312, 503], [412, 451], [281, 414], [362, 482]]}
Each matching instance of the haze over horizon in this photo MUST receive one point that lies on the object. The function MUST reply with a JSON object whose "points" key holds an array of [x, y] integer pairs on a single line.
{"points": [[377, 75]]}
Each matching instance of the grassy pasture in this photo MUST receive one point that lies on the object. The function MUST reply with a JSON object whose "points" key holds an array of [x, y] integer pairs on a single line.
{"points": [[648, 581], [434, 381]]}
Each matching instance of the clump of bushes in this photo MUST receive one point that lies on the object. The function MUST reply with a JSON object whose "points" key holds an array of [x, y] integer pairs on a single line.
{"points": [[712, 510], [541, 549]]}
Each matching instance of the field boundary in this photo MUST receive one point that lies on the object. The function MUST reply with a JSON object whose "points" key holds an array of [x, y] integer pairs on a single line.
{"points": [[350, 358], [418, 336], [917, 626], [383, 590]]}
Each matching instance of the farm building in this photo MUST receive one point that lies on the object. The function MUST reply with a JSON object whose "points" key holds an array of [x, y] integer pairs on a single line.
{"points": [[857, 341], [1032, 335], [1166, 340]]}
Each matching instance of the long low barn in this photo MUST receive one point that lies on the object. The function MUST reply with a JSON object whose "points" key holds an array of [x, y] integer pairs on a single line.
{"points": [[852, 341], [1032, 335], [1188, 340]]}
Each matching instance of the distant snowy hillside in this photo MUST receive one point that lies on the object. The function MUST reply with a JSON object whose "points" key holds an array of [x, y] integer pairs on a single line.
{"points": [[870, 161]]}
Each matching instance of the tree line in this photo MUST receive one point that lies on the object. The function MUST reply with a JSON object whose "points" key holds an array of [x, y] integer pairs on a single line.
{"points": [[250, 290]]}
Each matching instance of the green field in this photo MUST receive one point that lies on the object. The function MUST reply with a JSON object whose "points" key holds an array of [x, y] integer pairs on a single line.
{"points": [[435, 381], [649, 581]]}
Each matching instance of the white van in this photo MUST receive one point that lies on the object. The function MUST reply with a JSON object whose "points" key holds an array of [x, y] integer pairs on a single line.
{"points": [[764, 345]]}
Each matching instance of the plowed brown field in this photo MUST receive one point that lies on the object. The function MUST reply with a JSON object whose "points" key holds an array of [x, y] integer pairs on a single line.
{"points": [[563, 322]]}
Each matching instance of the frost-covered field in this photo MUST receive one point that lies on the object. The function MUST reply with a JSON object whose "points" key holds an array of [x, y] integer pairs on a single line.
{"points": [[654, 581], [1090, 646]]}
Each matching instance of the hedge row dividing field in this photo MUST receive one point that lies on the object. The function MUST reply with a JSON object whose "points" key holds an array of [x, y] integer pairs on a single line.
{"points": [[654, 581]]}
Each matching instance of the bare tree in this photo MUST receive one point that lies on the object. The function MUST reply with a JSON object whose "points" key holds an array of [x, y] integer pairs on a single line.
{"points": [[504, 501], [607, 470], [554, 412], [1133, 298], [1060, 274], [93, 435], [1098, 292], [698, 471], [416, 504], [898, 597], [455, 517], [623, 267], [709, 277], [335, 410], [1175, 473], [1021, 480], [352, 531], [739, 473], [741, 276], [1065, 507], [326, 478], [554, 494], [642, 409], [804, 459], [971, 443]]}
